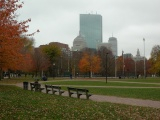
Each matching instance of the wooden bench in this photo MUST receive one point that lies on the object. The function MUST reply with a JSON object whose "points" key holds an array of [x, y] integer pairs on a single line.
{"points": [[79, 92], [36, 87], [54, 89], [48, 88]]}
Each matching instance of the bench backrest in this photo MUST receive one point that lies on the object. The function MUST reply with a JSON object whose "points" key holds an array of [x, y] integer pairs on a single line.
{"points": [[35, 84], [72, 89], [32, 84], [82, 90], [48, 86], [56, 87]]}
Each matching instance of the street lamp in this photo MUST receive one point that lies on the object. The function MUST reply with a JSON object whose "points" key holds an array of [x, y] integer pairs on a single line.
{"points": [[106, 66], [53, 70], [144, 60], [61, 66], [115, 66]]}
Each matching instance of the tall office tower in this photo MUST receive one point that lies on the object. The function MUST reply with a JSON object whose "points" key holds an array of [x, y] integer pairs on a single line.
{"points": [[91, 29], [113, 42]]}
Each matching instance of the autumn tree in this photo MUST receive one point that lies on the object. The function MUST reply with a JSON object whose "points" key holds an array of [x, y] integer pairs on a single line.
{"points": [[155, 60], [120, 66], [89, 64], [129, 67], [40, 62], [10, 35], [27, 52], [110, 61]]}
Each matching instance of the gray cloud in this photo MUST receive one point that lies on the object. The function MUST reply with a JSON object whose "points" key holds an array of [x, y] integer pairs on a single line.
{"points": [[129, 20]]}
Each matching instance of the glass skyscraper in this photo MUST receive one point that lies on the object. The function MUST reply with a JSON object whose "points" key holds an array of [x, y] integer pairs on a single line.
{"points": [[91, 29]]}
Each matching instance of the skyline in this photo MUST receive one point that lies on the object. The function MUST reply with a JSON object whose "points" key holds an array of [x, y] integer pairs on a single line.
{"points": [[91, 29], [129, 21]]}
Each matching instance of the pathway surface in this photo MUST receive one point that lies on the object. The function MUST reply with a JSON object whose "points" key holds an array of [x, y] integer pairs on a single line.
{"points": [[114, 99]]}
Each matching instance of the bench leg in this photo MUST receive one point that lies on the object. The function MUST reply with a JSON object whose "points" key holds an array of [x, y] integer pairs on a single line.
{"points": [[78, 96], [87, 97], [47, 91]]}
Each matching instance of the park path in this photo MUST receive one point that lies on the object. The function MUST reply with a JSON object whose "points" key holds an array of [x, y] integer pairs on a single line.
{"points": [[114, 99]]}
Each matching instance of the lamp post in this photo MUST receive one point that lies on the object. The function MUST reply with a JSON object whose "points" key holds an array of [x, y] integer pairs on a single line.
{"points": [[106, 66], [144, 60], [115, 66], [53, 70], [61, 66]]}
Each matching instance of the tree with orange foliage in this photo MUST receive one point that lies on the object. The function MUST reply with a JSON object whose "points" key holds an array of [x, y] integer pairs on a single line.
{"points": [[155, 60], [129, 67], [10, 35], [119, 66], [90, 63], [27, 51]]}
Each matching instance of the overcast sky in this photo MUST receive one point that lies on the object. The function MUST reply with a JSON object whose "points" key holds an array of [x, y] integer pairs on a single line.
{"points": [[129, 20]]}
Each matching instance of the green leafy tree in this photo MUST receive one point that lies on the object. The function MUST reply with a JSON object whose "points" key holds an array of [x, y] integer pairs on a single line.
{"points": [[52, 51]]}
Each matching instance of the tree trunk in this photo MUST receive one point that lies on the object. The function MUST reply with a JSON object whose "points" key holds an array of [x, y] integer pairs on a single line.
{"points": [[0, 73]]}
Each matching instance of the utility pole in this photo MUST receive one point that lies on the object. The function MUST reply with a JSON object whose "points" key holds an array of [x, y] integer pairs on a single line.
{"points": [[144, 60], [106, 66]]}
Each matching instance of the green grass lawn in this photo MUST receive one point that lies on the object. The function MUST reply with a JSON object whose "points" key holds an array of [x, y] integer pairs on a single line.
{"points": [[115, 88], [16, 80], [147, 80], [16, 103], [140, 93], [102, 83], [130, 88]]}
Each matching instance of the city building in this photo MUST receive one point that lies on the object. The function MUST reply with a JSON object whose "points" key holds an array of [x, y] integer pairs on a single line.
{"points": [[128, 55], [138, 57], [106, 45], [111, 45], [79, 43], [91, 29], [113, 42]]}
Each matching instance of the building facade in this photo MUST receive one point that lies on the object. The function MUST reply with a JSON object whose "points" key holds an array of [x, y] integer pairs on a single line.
{"points": [[106, 45], [91, 29], [79, 43], [138, 57], [113, 42]]}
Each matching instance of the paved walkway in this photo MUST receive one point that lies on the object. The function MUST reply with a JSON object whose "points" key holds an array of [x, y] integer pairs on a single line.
{"points": [[114, 99]]}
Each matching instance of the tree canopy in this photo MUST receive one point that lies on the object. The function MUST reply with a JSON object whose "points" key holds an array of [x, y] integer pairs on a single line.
{"points": [[11, 32], [155, 60]]}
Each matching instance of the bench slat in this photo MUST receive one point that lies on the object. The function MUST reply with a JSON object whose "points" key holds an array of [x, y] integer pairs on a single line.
{"points": [[36, 87], [78, 91], [54, 89]]}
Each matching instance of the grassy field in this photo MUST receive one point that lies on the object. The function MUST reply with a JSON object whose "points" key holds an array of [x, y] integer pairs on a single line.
{"points": [[16, 80], [103, 83], [19, 104], [131, 88]]}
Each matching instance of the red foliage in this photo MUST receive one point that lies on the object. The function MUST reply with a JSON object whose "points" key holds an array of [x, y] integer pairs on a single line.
{"points": [[10, 35]]}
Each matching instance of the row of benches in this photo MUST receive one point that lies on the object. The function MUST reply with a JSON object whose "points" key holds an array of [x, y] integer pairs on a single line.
{"points": [[54, 89]]}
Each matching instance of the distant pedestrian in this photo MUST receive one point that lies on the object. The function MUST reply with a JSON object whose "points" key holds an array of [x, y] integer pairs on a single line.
{"points": [[70, 76], [44, 78], [137, 76]]}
